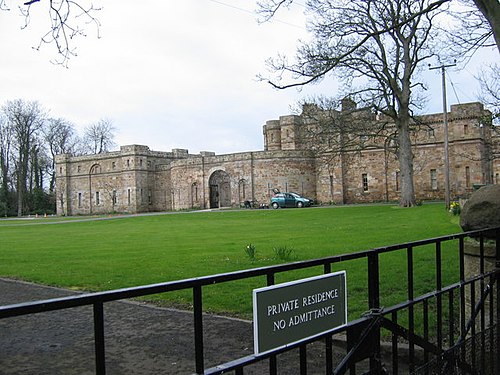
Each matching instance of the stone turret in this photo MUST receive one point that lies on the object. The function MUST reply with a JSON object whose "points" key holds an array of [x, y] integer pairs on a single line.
{"points": [[290, 126], [272, 135]]}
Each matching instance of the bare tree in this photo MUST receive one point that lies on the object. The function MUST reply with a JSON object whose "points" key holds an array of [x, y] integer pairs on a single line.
{"points": [[25, 119], [490, 96], [60, 138], [99, 137], [5, 155], [336, 136], [476, 14], [490, 9], [68, 20], [376, 48], [489, 79], [468, 28]]}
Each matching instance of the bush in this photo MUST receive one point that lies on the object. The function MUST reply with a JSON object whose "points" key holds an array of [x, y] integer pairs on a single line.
{"points": [[250, 251], [283, 253], [455, 208]]}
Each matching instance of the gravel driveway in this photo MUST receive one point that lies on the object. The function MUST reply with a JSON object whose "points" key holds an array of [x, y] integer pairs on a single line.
{"points": [[140, 339]]}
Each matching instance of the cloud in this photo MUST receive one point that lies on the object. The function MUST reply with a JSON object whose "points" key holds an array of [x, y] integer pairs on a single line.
{"points": [[169, 75]]}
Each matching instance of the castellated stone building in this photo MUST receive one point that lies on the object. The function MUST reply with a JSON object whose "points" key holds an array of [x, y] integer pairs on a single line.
{"points": [[137, 179]]}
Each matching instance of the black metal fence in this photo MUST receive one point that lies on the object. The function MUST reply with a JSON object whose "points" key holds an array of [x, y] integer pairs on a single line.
{"points": [[453, 328]]}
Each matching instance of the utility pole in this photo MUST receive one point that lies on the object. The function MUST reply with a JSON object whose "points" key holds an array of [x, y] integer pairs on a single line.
{"points": [[446, 141]]}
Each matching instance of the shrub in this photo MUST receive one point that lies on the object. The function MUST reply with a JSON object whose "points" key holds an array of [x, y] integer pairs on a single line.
{"points": [[455, 208], [250, 251], [283, 252]]}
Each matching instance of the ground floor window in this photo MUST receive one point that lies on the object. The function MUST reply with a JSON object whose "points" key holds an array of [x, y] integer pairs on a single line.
{"points": [[241, 189], [365, 181], [467, 177], [194, 193], [434, 182], [97, 198], [79, 199]]}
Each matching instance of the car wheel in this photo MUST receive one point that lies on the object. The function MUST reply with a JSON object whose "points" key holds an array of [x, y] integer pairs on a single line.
{"points": [[300, 204], [275, 205]]}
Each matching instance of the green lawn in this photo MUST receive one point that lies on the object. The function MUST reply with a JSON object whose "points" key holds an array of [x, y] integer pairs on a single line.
{"points": [[123, 252]]}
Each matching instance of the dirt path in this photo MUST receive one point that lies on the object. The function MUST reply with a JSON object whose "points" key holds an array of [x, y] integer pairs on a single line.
{"points": [[140, 339]]}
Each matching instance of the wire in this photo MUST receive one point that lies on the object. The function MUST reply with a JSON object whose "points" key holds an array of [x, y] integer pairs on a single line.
{"points": [[232, 6], [466, 95], [253, 13], [453, 87]]}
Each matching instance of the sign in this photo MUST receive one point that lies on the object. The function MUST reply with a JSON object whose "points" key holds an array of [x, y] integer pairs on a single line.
{"points": [[286, 313]]}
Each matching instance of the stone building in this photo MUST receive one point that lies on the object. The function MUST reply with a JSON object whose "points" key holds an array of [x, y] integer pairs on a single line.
{"points": [[137, 179]]}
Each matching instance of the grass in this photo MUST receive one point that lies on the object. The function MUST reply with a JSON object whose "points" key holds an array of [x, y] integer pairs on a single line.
{"points": [[122, 252]]}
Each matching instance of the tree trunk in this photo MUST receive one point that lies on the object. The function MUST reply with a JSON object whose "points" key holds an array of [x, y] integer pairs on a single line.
{"points": [[491, 11], [407, 198]]}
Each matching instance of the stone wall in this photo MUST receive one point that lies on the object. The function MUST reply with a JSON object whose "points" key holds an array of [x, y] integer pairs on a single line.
{"points": [[137, 179]]}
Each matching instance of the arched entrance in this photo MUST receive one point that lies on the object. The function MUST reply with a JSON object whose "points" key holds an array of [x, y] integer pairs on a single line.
{"points": [[220, 189]]}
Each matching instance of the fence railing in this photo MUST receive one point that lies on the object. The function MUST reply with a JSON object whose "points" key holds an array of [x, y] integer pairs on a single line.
{"points": [[425, 333]]}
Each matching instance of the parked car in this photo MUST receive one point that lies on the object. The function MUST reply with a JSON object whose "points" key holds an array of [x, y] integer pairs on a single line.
{"points": [[290, 200]]}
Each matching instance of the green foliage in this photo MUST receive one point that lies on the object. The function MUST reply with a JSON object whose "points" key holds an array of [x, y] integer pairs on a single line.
{"points": [[283, 253], [111, 253], [250, 251], [41, 202], [455, 208]]}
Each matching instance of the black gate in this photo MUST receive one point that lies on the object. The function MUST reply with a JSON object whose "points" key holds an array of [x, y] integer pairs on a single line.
{"points": [[452, 329]]}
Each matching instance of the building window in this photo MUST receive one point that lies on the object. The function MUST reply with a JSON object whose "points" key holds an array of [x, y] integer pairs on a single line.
{"points": [[113, 165], [466, 129], [128, 162], [97, 198], [128, 196], [194, 193], [434, 182], [79, 169], [398, 182], [114, 197], [365, 181], [431, 133], [140, 162], [79, 199], [467, 177], [150, 197], [242, 189]]}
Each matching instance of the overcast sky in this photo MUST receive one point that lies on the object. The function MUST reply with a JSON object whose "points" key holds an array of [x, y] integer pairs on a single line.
{"points": [[175, 75]]}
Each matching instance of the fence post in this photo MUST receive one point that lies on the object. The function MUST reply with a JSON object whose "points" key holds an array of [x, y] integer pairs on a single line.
{"points": [[496, 365], [373, 281], [328, 339], [198, 329], [374, 304], [100, 356], [273, 363]]}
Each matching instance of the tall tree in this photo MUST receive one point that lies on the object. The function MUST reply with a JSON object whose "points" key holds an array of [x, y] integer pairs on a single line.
{"points": [[490, 9], [99, 136], [5, 155], [60, 137], [376, 48], [25, 119], [336, 136]]}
